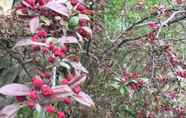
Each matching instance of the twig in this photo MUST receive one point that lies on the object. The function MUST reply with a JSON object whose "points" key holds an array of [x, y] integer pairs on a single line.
{"points": [[165, 23], [118, 45]]}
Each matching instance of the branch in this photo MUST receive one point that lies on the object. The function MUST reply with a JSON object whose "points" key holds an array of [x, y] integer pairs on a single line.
{"points": [[118, 45]]}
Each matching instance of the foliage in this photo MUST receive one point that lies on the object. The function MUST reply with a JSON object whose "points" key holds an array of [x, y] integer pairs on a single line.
{"points": [[135, 59]]}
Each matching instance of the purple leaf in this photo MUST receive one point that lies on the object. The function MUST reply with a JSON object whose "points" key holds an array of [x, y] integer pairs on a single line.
{"points": [[61, 97], [61, 92], [68, 39], [84, 99], [61, 89], [78, 67], [88, 30], [78, 82], [10, 111], [79, 37], [15, 90], [84, 16], [26, 42], [34, 24], [57, 7]]}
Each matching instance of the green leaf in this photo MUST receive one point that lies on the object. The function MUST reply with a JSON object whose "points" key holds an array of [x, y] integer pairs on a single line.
{"points": [[144, 79], [45, 20], [115, 85], [65, 64], [73, 22], [122, 91]]}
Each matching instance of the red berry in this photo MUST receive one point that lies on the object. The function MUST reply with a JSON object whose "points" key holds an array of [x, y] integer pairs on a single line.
{"points": [[46, 75], [61, 115], [20, 98], [88, 12], [51, 47], [35, 37], [50, 109], [70, 77], [46, 90], [65, 81], [51, 59], [67, 101], [74, 2], [31, 2], [77, 89], [153, 25], [59, 52], [152, 37], [179, 1], [35, 48], [42, 34], [42, 2], [33, 95], [84, 33], [81, 7], [31, 104], [83, 22], [45, 50], [37, 82]]}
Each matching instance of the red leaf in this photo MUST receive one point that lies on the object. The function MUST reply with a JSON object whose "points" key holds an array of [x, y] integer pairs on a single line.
{"points": [[10, 111], [84, 99], [15, 90], [57, 7], [34, 24]]}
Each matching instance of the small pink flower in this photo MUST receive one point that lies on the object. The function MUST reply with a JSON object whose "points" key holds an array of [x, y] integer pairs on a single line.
{"points": [[67, 101]]}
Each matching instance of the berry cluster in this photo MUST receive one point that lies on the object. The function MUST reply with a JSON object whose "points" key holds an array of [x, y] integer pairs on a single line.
{"points": [[56, 45], [175, 62], [132, 80]]}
